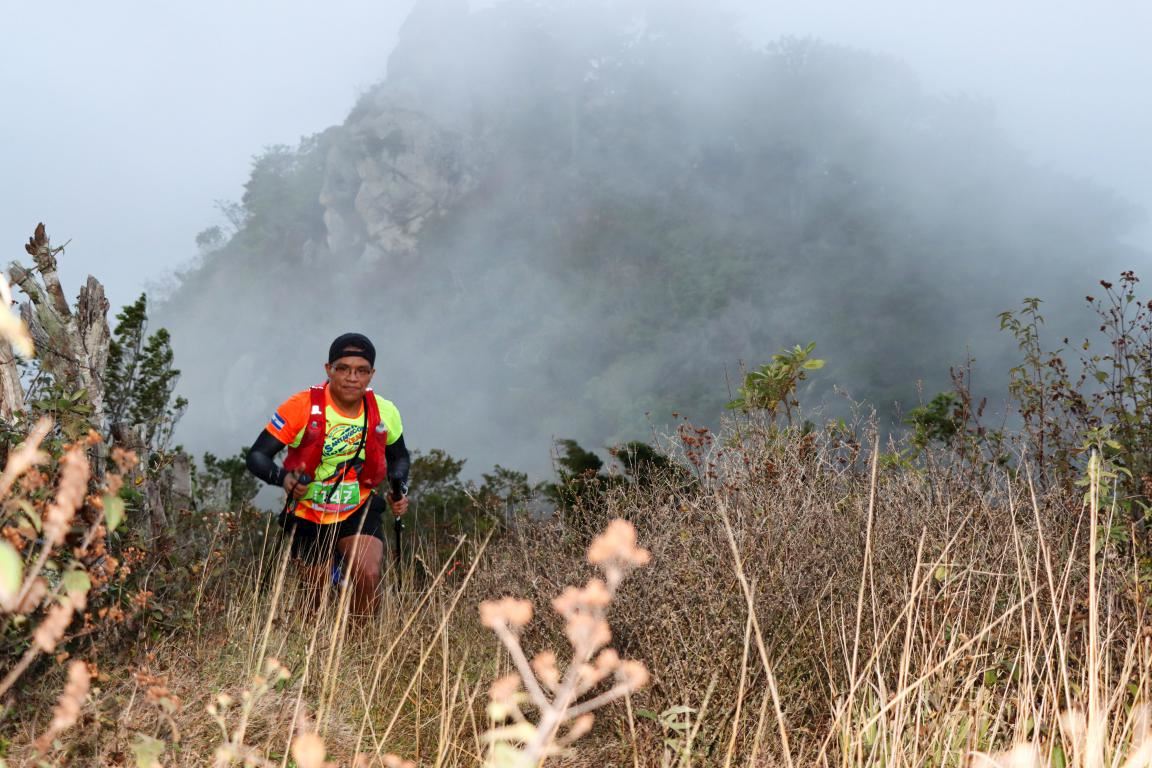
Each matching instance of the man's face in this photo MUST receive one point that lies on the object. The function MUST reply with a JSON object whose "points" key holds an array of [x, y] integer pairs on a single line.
{"points": [[350, 376]]}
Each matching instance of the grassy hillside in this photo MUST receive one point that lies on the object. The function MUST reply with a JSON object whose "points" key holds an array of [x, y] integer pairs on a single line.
{"points": [[807, 602]]}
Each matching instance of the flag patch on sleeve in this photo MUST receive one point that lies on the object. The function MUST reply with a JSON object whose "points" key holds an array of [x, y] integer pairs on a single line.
{"points": [[278, 421]]}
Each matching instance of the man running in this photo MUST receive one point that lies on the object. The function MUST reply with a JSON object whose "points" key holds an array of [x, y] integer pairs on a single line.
{"points": [[345, 452]]}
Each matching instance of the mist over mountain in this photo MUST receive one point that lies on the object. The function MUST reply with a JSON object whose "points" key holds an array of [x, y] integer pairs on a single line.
{"points": [[571, 219]]}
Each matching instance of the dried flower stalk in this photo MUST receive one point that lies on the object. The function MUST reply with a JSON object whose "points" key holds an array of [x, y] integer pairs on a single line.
{"points": [[26, 456], [561, 715], [71, 701], [70, 492]]}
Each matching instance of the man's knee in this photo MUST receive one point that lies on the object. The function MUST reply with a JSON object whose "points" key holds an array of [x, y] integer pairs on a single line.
{"points": [[366, 563], [368, 573]]}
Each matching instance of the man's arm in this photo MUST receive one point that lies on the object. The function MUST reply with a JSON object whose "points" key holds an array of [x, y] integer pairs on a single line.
{"points": [[398, 464], [261, 459]]}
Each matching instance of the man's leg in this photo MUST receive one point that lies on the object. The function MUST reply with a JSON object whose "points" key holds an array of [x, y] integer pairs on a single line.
{"points": [[312, 558], [315, 578], [363, 555]]}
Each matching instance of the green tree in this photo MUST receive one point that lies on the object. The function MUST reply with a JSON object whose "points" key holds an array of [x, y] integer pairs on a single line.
{"points": [[140, 379], [504, 490], [643, 464], [577, 472], [123, 359], [506, 484], [281, 198], [210, 239], [940, 420], [441, 499]]}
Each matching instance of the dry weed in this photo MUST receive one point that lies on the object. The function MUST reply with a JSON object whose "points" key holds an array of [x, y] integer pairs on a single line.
{"points": [[517, 740]]}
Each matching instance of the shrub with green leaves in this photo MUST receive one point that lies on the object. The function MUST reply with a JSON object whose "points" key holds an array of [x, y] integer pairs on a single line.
{"points": [[1064, 414], [773, 387]]}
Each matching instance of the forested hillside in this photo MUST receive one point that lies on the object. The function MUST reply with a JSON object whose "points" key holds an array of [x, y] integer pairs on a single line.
{"points": [[556, 219]]}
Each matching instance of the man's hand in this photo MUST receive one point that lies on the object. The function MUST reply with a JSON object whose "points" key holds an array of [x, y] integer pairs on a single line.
{"points": [[295, 488], [399, 506]]}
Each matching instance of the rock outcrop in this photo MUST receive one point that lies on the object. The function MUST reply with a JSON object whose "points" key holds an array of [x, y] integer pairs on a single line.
{"points": [[389, 174], [401, 159]]}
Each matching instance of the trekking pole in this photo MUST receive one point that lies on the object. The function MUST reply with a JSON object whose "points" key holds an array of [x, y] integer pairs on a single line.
{"points": [[397, 529], [290, 503]]}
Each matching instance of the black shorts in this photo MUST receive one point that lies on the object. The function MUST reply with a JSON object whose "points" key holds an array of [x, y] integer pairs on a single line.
{"points": [[314, 543]]}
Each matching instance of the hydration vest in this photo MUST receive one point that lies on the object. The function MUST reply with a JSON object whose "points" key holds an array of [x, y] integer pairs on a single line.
{"points": [[307, 456]]}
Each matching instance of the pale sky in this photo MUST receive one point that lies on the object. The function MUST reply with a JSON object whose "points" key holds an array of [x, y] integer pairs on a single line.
{"points": [[123, 121]]}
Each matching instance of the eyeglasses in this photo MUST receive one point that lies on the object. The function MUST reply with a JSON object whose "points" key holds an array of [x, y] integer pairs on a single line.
{"points": [[344, 369]]}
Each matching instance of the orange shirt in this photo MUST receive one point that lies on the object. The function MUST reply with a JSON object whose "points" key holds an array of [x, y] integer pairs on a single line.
{"points": [[334, 493]]}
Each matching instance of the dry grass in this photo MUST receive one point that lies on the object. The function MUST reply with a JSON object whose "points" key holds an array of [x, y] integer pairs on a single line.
{"points": [[901, 618], [803, 606]]}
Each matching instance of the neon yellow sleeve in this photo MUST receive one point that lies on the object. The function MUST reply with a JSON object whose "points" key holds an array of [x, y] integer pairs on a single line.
{"points": [[390, 417]]}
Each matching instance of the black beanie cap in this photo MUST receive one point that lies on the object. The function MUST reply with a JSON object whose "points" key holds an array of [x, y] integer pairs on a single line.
{"points": [[352, 344]]}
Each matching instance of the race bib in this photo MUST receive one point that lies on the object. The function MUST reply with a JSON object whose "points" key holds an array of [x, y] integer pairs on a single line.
{"points": [[347, 494]]}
